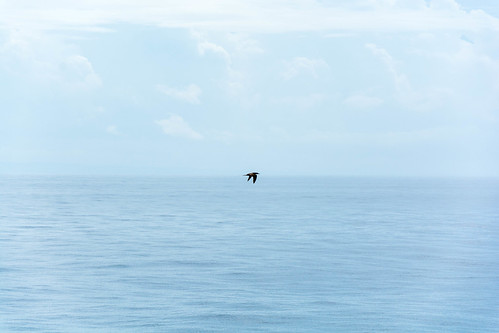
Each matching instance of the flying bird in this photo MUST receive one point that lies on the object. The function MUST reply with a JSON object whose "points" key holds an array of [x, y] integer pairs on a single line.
{"points": [[252, 175]]}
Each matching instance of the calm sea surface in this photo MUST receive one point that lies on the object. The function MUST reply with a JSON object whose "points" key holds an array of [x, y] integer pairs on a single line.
{"points": [[125, 254]]}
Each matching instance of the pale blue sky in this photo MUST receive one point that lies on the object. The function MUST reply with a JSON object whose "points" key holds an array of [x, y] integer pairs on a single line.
{"points": [[363, 87]]}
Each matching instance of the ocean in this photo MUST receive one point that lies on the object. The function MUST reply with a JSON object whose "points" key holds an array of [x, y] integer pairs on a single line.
{"points": [[297, 254]]}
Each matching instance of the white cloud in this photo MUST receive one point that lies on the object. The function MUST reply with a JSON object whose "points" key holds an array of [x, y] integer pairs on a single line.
{"points": [[470, 73], [402, 85], [205, 46], [249, 15], [422, 98], [450, 72], [43, 58], [445, 5], [244, 45], [112, 129], [236, 46], [362, 101], [381, 3], [79, 72], [303, 65], [190, 94], [401, 81], [176, 126], [466, 54]]}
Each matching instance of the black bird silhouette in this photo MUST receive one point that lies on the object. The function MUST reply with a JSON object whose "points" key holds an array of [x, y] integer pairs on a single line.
{"points": [[252, 175]]}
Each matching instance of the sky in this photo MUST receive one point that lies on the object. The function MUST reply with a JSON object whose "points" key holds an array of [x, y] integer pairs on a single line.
{"points": [[205, 87]]}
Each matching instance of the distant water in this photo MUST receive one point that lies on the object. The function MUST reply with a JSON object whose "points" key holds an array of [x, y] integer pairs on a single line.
{"points": [[222, 255]]}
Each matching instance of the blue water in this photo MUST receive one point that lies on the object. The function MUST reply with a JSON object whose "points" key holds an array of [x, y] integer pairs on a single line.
{"points": [[125, 254]]}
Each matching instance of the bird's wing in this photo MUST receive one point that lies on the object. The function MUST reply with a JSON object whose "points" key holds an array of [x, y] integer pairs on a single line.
{"points": [[254, 179], [249, 177]]}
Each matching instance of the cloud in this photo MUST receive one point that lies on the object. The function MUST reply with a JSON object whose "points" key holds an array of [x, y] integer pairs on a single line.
{"points": [[404, 90], [469, 73], [457, 74], [445, 5], [362, 101], [112, 129], [421, 98], [190, 94], [249, 16], [205, 46], [177, 127], [401, 81], [303, 65], [43, 58], [244, 45], [236, 46], [78, 71]]}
